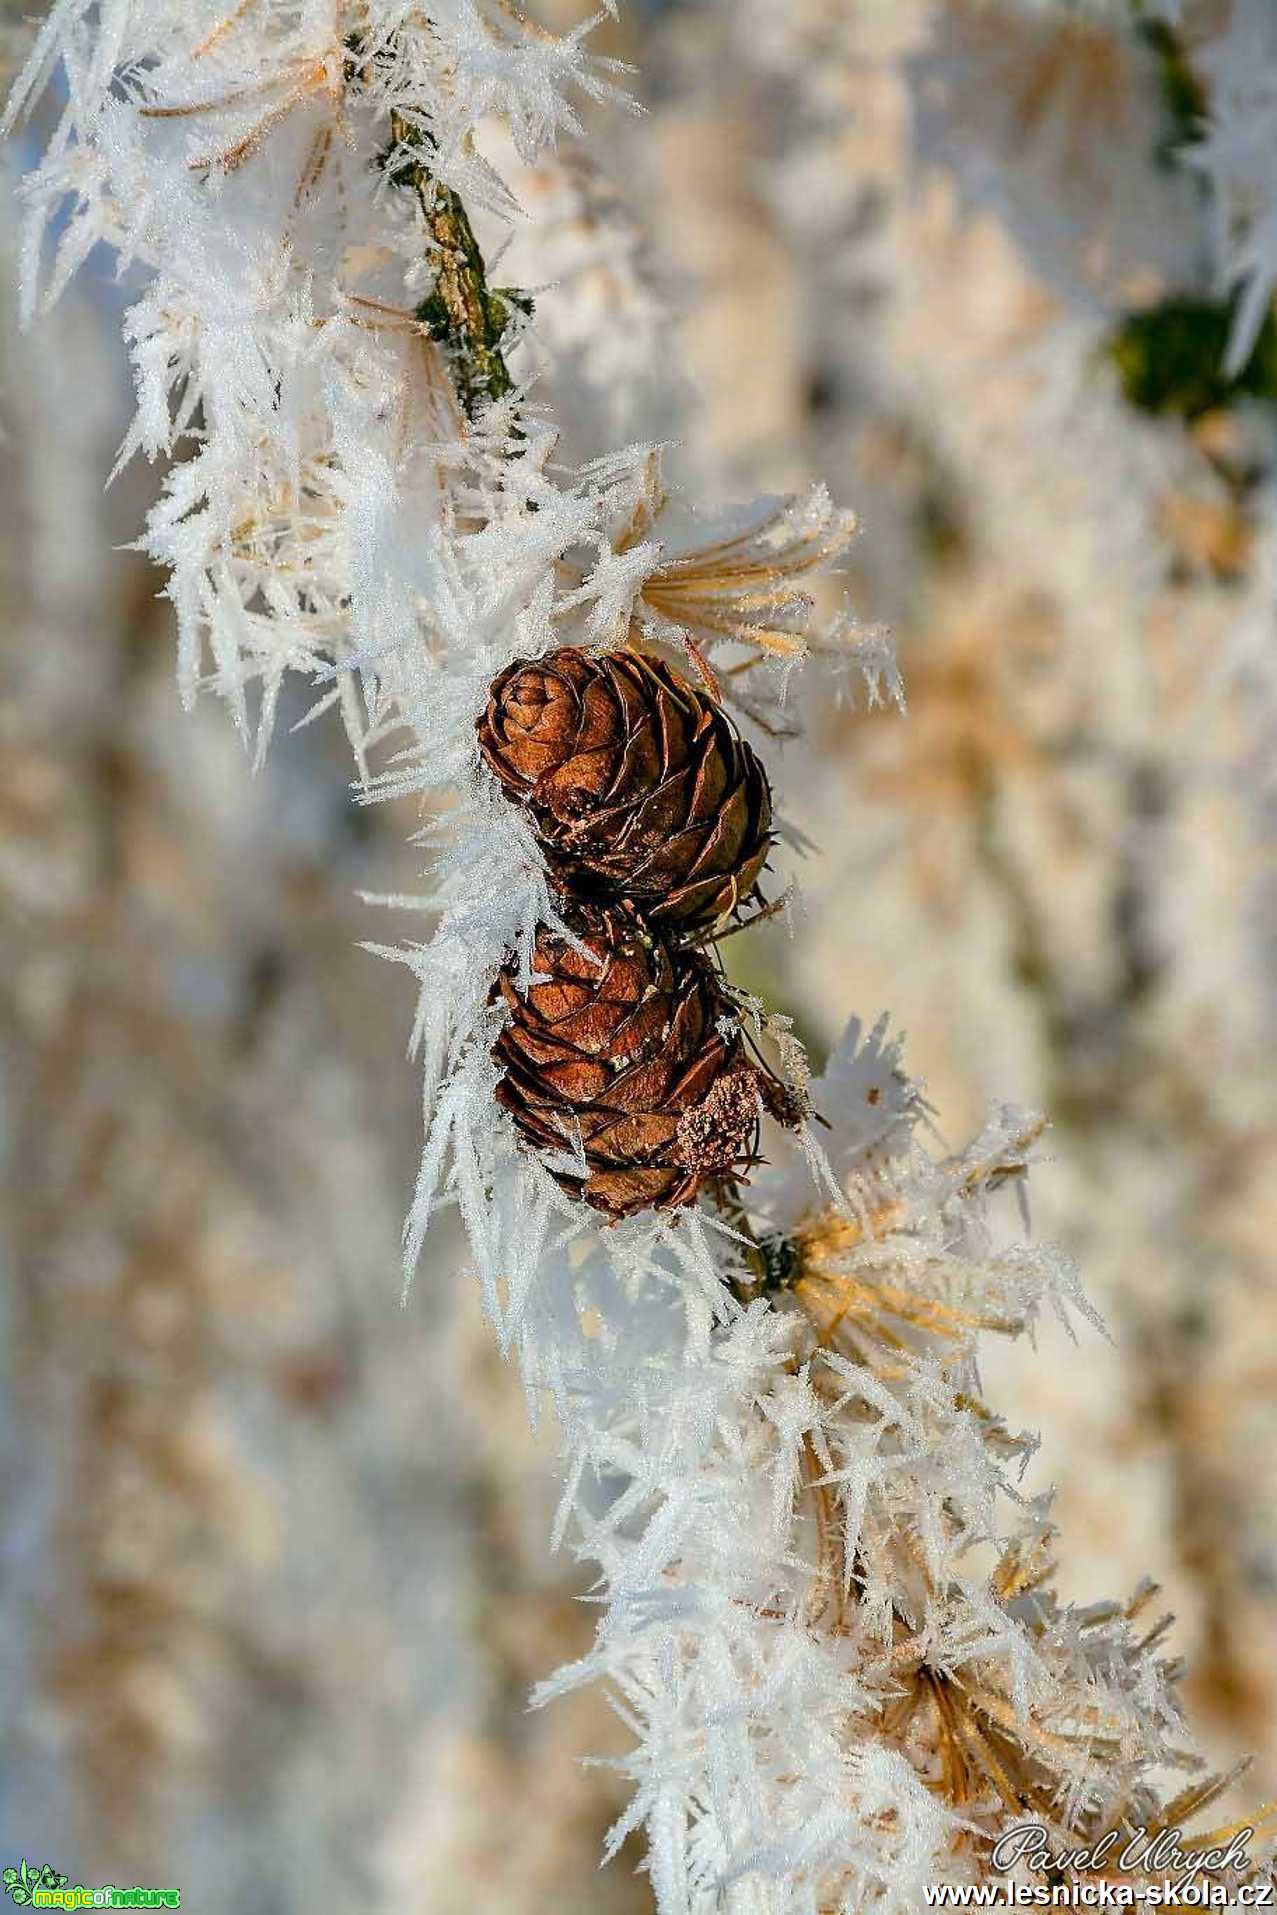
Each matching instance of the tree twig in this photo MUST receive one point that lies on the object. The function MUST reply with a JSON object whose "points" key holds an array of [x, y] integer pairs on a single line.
{"points": [[468, 319]]}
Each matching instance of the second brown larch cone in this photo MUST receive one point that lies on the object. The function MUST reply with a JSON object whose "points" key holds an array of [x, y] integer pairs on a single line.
{"points": [[642, 788], [617, 1053]]}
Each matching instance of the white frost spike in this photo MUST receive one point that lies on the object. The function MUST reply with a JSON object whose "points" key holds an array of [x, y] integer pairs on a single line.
{"points": [[1239, 65]]}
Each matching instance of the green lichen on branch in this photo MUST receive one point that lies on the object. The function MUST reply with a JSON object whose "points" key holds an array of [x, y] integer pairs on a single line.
{"points": [[467, 318]]}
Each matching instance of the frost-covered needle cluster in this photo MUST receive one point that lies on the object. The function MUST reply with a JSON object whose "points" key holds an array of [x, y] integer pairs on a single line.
{"points": [[827, 1616]]}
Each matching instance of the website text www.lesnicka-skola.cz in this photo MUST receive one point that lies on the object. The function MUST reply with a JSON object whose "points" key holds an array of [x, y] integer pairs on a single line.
{"points": [[1100, 1894]]}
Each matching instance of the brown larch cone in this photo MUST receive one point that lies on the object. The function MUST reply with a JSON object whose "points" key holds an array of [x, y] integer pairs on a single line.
{"points": [[617, 1051], [641, 785]]}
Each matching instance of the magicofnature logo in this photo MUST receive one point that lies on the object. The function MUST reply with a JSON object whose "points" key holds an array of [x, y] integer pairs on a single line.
{"points": [[44, 1887]]}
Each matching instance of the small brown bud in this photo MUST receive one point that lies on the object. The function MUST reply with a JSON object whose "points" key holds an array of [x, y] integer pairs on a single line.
{"points": [[708, 1136]]}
